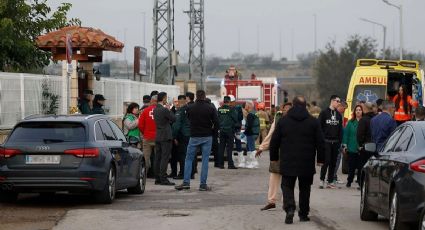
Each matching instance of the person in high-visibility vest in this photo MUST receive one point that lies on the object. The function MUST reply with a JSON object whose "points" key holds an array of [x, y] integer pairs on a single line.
{"points": [[264, 122], [403, 105]]}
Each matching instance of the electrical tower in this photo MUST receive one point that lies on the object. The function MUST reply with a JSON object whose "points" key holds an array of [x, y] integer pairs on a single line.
{"points": [[197, 41], [163, 42]]}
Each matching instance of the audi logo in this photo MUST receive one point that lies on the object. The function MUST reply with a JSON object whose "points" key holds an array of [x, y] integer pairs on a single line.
{"points": [[42, 148]]}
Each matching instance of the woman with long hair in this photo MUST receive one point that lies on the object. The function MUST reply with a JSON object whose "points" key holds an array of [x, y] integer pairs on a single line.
{"points": [[131, 122], [351, 146], [403, 106]]}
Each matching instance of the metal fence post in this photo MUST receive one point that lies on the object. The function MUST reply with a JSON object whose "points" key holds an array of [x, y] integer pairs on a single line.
{"points": [[116, 99], [22, 86]]}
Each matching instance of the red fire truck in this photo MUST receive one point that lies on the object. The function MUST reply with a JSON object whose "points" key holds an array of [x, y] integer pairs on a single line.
{"points": [[255, 89]]}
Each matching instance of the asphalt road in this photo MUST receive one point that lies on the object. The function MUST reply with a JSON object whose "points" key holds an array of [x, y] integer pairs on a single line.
{"points": [[234, 203]]}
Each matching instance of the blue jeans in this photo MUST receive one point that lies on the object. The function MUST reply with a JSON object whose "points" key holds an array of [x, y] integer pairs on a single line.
{"points": [[338, 163], [205, 144], [250, 143]]}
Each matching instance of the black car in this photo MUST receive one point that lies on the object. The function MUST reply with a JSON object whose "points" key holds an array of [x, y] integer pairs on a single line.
{"points": [[393, 180], [47, 154]]}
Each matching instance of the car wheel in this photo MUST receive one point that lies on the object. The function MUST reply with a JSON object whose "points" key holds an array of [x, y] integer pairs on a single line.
{"points": [[422, 221], [141, 180], [365, 213], [107, 195], [7, 196], [395, 223]]}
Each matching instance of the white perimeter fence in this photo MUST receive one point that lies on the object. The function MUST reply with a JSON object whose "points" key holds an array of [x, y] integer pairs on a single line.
{"points": [[21, 95]]}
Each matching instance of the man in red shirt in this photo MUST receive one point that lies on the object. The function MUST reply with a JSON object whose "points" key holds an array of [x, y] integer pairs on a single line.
{"points": [[147, 127]]}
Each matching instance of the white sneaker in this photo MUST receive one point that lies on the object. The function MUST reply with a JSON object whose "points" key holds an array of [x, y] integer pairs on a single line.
{"points": [[248, 163], [235, 158], [322, 184], [254, 160], [340, 182], [241, 160]]}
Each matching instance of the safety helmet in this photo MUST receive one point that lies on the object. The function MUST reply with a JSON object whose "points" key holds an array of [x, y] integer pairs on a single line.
{"points": [[261, 105]]}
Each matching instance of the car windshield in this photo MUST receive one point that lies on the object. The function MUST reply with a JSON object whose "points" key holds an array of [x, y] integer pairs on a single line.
{"points": [[48, 132]]}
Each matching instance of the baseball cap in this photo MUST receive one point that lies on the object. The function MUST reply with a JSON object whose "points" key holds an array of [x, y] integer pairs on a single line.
{"points": [[99, 97], [232, 98], [146, 99]]}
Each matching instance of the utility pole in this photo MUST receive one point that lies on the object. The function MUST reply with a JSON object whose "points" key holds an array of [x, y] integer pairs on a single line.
{"points": [[385, 33], [280, 45], [292, 44], [125, 54], [315, 33], [258, 40], [197, 40], [239, 41], [144, 29], [400, 8], [163, 41]]}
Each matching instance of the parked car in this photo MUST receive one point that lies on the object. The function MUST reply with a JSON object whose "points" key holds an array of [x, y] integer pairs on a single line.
{"points": [[393, 180], [45, 154]]}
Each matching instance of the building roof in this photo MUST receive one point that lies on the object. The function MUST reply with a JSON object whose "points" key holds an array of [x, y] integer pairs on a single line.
{"points": [[82, 37]]}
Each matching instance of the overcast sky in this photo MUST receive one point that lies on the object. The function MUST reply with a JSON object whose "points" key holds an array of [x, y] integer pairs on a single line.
{"points": [[336, 20]]}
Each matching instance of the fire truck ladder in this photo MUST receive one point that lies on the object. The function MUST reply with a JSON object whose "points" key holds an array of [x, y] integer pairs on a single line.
{"points": [[267, 94]]}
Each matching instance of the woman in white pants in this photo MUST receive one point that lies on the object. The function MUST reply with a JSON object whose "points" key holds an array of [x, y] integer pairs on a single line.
{"points": [[275, 177]]}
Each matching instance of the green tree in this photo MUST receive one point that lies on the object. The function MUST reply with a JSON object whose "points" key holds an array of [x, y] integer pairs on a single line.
{"points": [[334, 67], [50, 101], [393, 54], [21, 22]]}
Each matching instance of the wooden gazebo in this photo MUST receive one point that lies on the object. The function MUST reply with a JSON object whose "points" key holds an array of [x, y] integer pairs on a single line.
{"points": [[87, 45]]}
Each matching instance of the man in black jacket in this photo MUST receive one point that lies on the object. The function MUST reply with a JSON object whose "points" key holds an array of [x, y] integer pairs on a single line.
{"points": [[203, 126], [331, 124], [296, 142], [364, 132], [163, 142]]}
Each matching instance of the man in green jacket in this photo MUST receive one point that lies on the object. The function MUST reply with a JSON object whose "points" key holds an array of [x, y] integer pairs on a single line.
{"points": [[181, 134], [227, 117], [86, 103]]}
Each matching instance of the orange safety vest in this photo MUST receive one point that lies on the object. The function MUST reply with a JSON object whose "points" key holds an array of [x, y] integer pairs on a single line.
{"points": [[399, 114]]}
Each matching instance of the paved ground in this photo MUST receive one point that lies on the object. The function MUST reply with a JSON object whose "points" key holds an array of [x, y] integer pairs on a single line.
{"points": [[234, 203]]}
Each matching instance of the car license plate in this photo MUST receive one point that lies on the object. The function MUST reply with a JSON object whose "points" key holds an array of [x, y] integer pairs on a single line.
{"points": [[43, 159]]}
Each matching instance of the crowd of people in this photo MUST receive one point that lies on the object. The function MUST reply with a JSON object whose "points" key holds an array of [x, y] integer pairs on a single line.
{"points": [[297, 141], [176, 133], [300, 136]]}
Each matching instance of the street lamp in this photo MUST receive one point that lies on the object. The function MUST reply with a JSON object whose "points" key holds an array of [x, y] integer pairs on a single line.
{"points": [[385, 32], [144, 29], [400, 8], [315, 33]]}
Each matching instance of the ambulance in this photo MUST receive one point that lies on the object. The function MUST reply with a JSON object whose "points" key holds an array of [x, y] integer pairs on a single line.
{"points": [[380, 79]]}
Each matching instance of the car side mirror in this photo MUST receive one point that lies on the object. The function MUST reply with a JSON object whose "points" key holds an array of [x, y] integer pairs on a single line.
{"points": [[133, 140], [370, 147], [125, 144]]}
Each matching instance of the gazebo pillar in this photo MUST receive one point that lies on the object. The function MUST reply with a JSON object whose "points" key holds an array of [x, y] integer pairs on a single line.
{"points": [[70, 98], [73, 106]]}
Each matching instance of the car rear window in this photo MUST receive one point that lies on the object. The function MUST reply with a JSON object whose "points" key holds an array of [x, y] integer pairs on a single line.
{"points": [[48, 132]]}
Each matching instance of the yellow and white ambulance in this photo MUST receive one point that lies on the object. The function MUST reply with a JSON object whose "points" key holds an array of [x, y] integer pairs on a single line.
{"points": [[380, 79]]}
